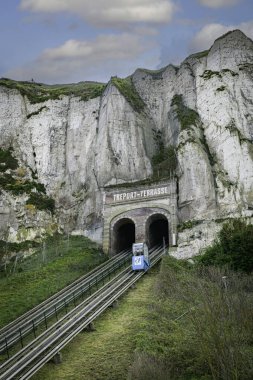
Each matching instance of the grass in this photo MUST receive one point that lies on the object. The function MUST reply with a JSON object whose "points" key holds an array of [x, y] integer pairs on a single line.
{"points": [[187, 323], [57, 263], [199, 326], [127, 89], [106, 353], [38, 92]]}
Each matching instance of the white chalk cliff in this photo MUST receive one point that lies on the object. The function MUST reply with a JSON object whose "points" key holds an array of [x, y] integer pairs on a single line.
{"points": [[204, 109]]}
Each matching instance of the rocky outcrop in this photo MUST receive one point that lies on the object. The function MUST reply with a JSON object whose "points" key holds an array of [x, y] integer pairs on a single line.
{"points": [[203, 109]]}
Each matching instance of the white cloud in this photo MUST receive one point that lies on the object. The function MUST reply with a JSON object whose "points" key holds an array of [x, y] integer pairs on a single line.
{"points": [[206, 36], [218, 3], [96, 59], [111, 46], [107, 12]]}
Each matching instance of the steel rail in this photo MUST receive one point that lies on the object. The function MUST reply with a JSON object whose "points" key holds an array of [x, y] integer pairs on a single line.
{"points": [[64, 321], [45, 347], [29, 321]]}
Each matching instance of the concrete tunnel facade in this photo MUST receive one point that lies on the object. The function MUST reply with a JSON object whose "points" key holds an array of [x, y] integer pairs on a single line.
{"points": [[139, 214]]}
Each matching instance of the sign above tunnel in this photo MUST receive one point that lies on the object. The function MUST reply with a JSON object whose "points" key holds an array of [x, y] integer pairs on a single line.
{"points": [[138, 194]]}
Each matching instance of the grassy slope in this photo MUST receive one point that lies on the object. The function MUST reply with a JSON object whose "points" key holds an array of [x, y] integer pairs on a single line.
{"points": [[107, 352], [39, 276], [39, 92], [197, 328], [128, 90]]}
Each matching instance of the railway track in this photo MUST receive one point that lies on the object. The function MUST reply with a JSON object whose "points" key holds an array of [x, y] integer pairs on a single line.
{"points": [[28, 360], [29, 322]]}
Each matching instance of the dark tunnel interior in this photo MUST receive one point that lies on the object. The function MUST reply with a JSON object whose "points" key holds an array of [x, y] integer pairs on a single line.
{"points": [[124, 235], [158, 231]]}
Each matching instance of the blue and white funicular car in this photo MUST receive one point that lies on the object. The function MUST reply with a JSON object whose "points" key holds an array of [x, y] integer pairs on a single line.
{"points": [[140, 259]]}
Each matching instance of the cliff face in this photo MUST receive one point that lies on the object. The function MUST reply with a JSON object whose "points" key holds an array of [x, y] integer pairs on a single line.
{"points": [[204, 109]]}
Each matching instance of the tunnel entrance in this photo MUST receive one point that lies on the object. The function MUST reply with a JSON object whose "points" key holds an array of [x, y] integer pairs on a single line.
{"points": [[157, 230], [123, 235]]}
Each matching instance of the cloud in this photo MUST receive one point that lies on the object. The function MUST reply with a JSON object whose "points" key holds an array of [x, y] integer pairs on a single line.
{"points": [[97, 59], [107, 12], [206, 36], [218, 3]]}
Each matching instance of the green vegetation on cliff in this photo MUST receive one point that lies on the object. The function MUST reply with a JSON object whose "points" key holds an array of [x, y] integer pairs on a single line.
{"points": [[127, 89], [186, 116], [208, 74], [7, 161], [164, 162], [19, 186], [15, 183], [41, 202], [39, 92]]}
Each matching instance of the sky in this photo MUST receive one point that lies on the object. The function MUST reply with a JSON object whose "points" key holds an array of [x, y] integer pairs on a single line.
{"points": [[67, 41]]}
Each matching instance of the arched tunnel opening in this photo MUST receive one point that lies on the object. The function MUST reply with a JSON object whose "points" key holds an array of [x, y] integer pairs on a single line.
{"points": [[157, 230], [123, 235]]}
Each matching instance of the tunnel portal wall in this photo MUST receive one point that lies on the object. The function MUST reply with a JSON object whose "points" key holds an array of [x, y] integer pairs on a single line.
{"points": [[159, 201]]}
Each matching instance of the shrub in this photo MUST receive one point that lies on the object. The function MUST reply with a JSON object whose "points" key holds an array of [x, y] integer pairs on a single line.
{"points": [[41, 202], [6, 247], [234, 247], [222, 88], [7, 161], [208, 74], [19, 186]]}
